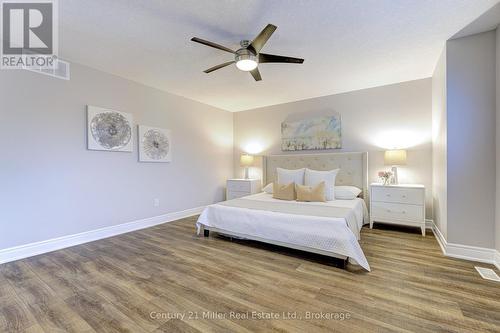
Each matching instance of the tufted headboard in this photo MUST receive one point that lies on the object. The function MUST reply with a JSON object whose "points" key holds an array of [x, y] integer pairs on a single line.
{"points": [[353, 167]]}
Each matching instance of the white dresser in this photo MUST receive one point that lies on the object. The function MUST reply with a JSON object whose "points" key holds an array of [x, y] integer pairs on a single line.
{"points": [[398, 204], [237, 188]]}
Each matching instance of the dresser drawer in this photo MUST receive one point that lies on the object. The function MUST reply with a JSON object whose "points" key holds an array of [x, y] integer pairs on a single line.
{"points": [[414, 196], [242, 186], [392, 211]]}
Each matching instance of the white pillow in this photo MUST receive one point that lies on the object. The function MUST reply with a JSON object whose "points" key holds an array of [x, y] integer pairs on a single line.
{"points": [[268, 188], [286, 176], [347, 192], [314, 177]]}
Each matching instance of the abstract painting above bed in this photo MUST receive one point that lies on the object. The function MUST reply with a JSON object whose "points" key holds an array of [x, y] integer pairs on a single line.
{"points": [[312, 134]]}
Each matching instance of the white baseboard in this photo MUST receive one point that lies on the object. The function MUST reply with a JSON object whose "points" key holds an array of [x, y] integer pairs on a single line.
{"points": [[474, 253], [497, 259], [466, 252], [33, 249], [439, 237]]}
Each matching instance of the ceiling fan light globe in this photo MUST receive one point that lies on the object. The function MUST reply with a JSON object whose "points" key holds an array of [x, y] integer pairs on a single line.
{"points": [[246, 65]]}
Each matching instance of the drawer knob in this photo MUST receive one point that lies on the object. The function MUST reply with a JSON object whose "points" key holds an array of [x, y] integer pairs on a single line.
{"points": [[388, 195], [388, 211], [404, 212], [404, 196]]}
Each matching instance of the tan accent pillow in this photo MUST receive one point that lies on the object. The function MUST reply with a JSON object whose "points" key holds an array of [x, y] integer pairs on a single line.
{"points": [[311, 193], [284, 192]]}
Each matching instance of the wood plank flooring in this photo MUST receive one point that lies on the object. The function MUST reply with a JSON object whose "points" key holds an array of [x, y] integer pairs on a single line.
{"points": [[166, 279]]}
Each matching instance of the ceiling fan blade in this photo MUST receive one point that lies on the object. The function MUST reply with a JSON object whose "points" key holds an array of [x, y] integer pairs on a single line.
{"points": [[256, 74], [211, 44], [263, 58], [219, 66], [259, 41]]}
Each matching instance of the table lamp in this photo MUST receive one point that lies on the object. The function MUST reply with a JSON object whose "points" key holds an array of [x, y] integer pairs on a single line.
{"points": [[395, 158], [246, 161]]}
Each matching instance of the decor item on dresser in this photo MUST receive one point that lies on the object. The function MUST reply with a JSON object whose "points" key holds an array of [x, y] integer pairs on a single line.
{"points": [[237, 188], [108, 129], [246, 161], [395, 158], [155, 144], [385, 176], [313, 133], [398, 204]]}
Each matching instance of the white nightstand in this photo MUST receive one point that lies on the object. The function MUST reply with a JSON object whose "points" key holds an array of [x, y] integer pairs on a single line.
{"points": [[398, 204], [237, 188]]}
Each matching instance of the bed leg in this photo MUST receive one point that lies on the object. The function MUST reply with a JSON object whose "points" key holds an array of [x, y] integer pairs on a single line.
{"points": [[206, 232], [344, 263]]}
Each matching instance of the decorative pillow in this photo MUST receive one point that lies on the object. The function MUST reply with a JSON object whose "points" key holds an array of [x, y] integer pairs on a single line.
{"points": [[347, 192], [268, 188], [311, 193], [287, 176], [284, 192], [314, 177]]}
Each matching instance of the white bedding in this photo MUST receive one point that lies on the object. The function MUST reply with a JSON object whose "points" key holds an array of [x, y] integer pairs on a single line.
{"points": [[358, 205], [331, 234]]}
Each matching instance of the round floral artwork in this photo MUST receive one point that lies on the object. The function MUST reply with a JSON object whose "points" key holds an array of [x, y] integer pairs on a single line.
{"points": [[111, 130], [155, 144]]}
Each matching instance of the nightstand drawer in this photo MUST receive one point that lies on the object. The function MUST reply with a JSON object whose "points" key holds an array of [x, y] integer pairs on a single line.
{"points": [[241, 186], [393, 211], [412, 196]]}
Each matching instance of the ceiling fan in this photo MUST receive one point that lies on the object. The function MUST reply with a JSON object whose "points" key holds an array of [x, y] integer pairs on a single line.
{"points": [[248, 56]]}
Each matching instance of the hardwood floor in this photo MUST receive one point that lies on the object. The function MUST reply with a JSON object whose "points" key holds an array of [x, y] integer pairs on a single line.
{"points": [[166, 279]]}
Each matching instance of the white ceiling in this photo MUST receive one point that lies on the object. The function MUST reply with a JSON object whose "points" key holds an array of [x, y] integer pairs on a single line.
{"points": [[347, 44]]}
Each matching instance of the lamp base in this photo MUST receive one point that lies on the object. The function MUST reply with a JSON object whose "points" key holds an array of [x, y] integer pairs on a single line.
{"points": [[395, 180], [246, 173]]}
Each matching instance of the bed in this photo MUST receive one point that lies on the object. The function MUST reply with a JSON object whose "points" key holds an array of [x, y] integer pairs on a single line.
{"points": [[331, 228]]}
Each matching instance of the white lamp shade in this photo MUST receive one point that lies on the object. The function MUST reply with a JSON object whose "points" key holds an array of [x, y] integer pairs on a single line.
{"points": [[246, 160], [395, 157]]}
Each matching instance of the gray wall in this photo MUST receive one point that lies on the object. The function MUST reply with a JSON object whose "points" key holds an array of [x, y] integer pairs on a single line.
{"points": [[372, 120], [52, 186], [471, 151], [439, 177]]}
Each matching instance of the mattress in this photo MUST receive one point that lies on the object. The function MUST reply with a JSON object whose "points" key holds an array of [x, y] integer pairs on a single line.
{"points": [[331, 226]]}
